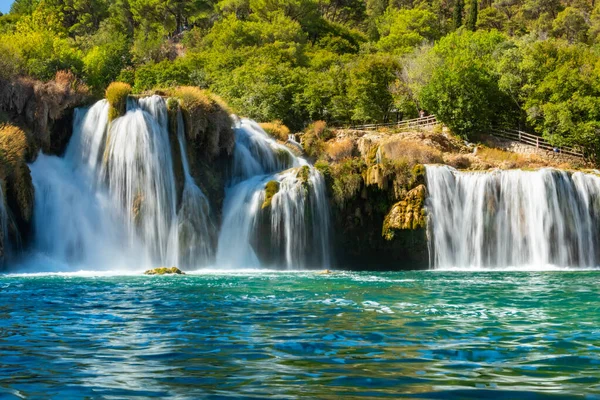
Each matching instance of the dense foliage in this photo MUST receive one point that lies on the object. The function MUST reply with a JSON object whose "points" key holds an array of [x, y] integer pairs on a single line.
{"points": [[533, 64]]}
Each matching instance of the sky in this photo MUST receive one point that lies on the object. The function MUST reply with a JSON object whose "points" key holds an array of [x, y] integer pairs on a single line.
{"points": [[5, 6]]}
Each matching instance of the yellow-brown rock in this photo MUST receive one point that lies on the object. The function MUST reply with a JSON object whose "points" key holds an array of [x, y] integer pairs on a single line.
{"points": [[409, 213], [164, 271]]}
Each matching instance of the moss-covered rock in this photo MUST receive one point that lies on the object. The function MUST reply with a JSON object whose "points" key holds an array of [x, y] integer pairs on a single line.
{"points": [[164, 271], [116, 94], [14, 150], [419, 173], [208, 124], [303, 175], [271, 189], [408, 213], [376, 175], [44, 109]]}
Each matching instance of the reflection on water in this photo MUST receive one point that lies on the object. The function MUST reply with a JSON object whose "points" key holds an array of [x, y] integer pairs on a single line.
{"points": [[286, 335]]}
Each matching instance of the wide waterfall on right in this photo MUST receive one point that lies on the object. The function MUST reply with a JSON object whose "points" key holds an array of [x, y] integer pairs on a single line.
{"points": [[513, 218]]}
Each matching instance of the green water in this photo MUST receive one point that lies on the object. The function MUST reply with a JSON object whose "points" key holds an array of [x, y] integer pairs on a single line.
{"points": [[438, 335]]}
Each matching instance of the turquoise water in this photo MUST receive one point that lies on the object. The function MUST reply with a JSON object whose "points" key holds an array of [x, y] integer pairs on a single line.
{"points": [[438, 335]]}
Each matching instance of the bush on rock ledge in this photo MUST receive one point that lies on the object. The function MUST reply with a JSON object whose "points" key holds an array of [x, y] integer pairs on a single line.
{"points": [[116, 95]]}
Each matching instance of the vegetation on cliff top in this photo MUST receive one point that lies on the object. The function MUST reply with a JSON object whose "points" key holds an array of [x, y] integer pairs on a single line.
{"points": [[207, 120], [116, 95], [527, 63]]}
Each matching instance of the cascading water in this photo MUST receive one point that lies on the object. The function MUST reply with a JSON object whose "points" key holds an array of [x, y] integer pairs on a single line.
{"points": [[513, 218], [194, 222], [113, 198], [292, 230]]}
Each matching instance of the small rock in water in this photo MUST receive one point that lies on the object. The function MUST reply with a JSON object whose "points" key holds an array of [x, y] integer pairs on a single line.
{"points": [[164, 271], [325, 272]]}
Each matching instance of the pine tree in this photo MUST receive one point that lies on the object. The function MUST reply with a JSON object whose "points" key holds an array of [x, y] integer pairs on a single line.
{"points": [[458, 13], [472, 17]]}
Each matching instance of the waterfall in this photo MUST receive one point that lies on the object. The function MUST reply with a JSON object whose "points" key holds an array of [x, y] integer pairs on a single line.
{"points": [[112, 198], [194, 223], [115, 200], [513, 218], [293, 230]]}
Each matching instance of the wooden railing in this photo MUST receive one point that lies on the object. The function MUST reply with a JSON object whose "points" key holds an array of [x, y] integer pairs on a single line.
{"points": [[512, 134], [537, 141], [408, 123]]}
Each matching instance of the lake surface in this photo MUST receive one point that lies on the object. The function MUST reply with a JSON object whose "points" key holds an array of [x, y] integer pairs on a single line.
{"points": [[435, 335]]}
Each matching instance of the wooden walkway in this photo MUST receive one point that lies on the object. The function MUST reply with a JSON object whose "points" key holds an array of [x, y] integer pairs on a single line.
{"points": [[511, 134], [536, 141], [424, 122]]}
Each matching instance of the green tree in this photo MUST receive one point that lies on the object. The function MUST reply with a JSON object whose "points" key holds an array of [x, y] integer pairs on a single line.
{"points": [[459, 6], [23, 7], [472, 15], [463, 90], [491, 18], [369, 88], [402, 30], [561, 92], [571, 24]]}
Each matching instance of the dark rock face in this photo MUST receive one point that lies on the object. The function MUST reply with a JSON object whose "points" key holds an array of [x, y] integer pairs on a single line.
{"points": [[44, 109], [360, 245]]}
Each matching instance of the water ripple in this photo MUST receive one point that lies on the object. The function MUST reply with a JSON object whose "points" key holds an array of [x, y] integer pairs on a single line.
{"points": [[526, 335]]}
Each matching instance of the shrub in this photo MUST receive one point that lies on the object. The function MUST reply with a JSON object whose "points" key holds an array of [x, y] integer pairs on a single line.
{"points": [[102, 64], [340, 149], [11, 62], [320, 130], [116, 95], [313, 146], [411, 152], [163, 74], [13, 145], [276, 129], [501, 158]]}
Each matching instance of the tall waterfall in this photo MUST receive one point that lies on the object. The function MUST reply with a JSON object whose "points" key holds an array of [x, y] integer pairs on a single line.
{"points": [[293, 230], [513, 218], [112, 197]]}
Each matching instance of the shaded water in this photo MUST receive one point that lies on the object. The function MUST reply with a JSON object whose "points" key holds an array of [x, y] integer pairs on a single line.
{"points": [[432, 334]]}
